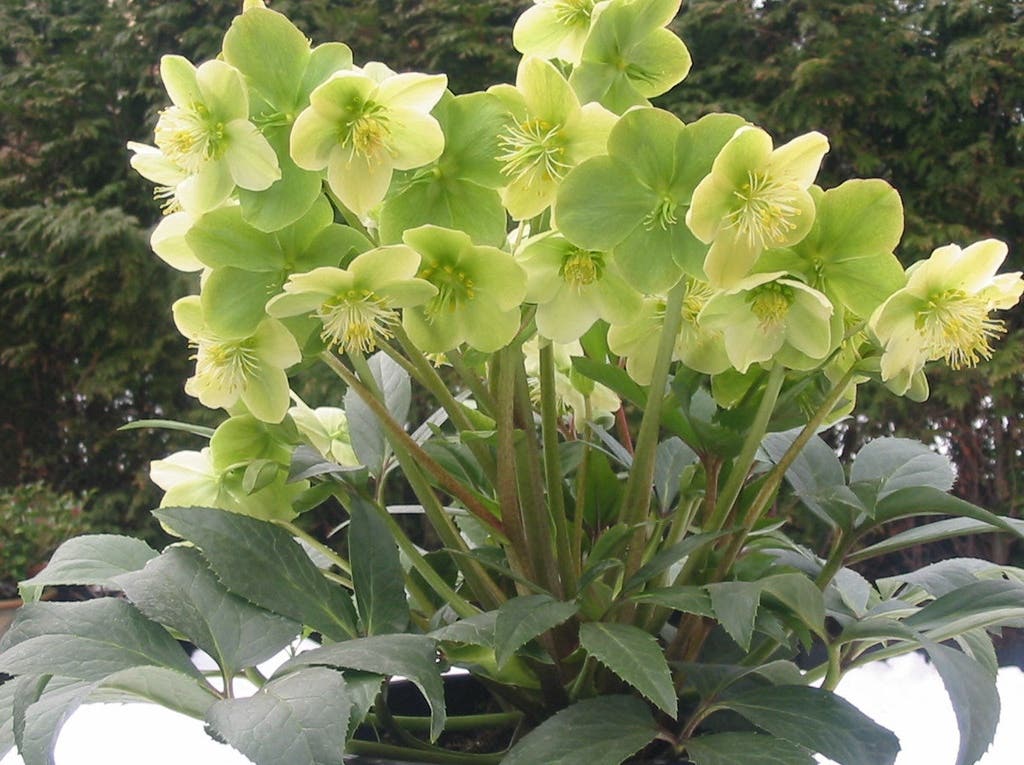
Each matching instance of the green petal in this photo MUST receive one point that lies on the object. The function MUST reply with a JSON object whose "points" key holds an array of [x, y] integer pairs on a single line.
{"points": [[168, 241], [538, 32], [221, 238], [452, 203], [250, 157], [384, 265], [324, 282], [324, 61], [807, 323], [645, 258], [266, 395], [600, 202], [541, 258], [437, 243], [207, 189], [586, 132], [234, 301], [646, 139], [800, 159], [568, 316], [977, 265], [271, 52], [485, 326], [709, 206], [407, 293], [472, 124], [546, 92], [498, 276], [276, 346], [188, 316], [415, 140], [179, 78], [617, 302], [529, 196], [294, 304], [417, 92], [151, 164], [360, 182], [658, 64], [750, 148], [313, 138], [437, 336], [332, 99], [223, 91], [289, 198]]}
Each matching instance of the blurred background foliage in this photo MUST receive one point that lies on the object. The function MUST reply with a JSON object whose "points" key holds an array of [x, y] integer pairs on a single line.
{"points": [[928, 95]]}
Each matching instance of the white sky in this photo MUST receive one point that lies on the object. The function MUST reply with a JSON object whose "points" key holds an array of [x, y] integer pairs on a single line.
{"points": [[905, 695]]}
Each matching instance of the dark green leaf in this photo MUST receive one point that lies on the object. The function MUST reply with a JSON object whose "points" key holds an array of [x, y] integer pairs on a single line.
{"points": [[524, 618], [377, 575], [95, 559], [737, 749], [975, 700], [636, 657], [735, 605]]}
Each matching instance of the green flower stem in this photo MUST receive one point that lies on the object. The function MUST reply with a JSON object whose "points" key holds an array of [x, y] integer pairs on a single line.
{"points": [[508, 495], [417, 366], [472, 381], [344, 581], [637, 496], [398, 437], [581, 494], [567, 562], [774, 478], [836, 557], [254, 676], [483, 586], [350, 217], [376, 749], [745, 459], [315, 543]]}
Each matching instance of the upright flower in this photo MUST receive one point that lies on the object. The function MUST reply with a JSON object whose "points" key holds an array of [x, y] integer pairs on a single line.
{"points": [[769, 316], [230, 369], [550, 134], [554, 29], [479, 291], [753, 199], [207, 136], [362, 125], [944, 311], [357, 305]]}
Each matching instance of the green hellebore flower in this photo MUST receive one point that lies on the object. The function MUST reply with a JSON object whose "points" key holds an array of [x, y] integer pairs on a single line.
{"points": [[573, 287], [362, 125], [944, 311], [550, 134], [206, 134], [359, 304], [766, 316], [554, 29], [699, 347], [190, 479], [479, 291], [231, 369], [326, 428], [754, 198]]}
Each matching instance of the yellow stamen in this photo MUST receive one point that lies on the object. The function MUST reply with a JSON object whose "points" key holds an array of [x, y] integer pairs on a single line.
{"points": [[226, 366], [765, 211], [355, 320], [533, 148], [770, 303], [581, 268], [957, 327]]}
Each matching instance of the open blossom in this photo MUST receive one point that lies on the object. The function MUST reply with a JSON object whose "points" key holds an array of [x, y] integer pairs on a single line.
{"points": [[357, 305], [944, 311], [205, 143], [554, 29], [753, 199], [249, 369], [363, 124]]}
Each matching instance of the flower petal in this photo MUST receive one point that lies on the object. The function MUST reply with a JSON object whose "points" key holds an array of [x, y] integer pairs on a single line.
{"points": [[250, 157]]}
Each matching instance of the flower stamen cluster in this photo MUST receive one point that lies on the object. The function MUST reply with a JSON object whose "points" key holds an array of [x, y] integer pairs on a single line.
{"points": [[533, 148], [766, 211], [957, 327], [355, 320]]}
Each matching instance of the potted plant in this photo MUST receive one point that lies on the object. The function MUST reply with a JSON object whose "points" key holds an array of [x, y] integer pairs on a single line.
{"points": [[629, 332], [34, 520]]}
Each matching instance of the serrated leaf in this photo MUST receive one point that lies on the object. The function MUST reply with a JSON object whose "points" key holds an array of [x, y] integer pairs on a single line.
{"points": [[522, 619], [299, 719], [636, 657], [94, 559], [736, 749], [45, 718], [669, 557], [735, 605], [411, 656], [474, 630], [982, 604], [7, 717], [263, 564], [689, 599], [899, 463], [179, 591], [818, 720], [601, 731], [166, 687], [801, 596], [975, 698], [87, 641], [671, 459], [377, 575]]}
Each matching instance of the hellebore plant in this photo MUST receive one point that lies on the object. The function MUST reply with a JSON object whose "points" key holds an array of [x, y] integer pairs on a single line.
{"points": [[624, 335]]}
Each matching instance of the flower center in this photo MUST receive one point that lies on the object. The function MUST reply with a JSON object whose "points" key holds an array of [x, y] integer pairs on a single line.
{"points": [[355, 320], [581, 268], [957, 327], [188, 137], [766, 209], [453, 288], [367, 131], [533, 148], [697, 295], [226, 365], [573, 13], [770, 303], [664, 215]]}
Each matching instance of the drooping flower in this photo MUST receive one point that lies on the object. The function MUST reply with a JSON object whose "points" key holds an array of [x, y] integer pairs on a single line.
{"points": [[230, 369], [754, 198], [479, 291], [944, 311], [573, 287], [326, 428], [576, 394], [362, 124], [699, 347], [549, 135], [207, 146], [357, 305], [769, 316], [554, 29]]}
